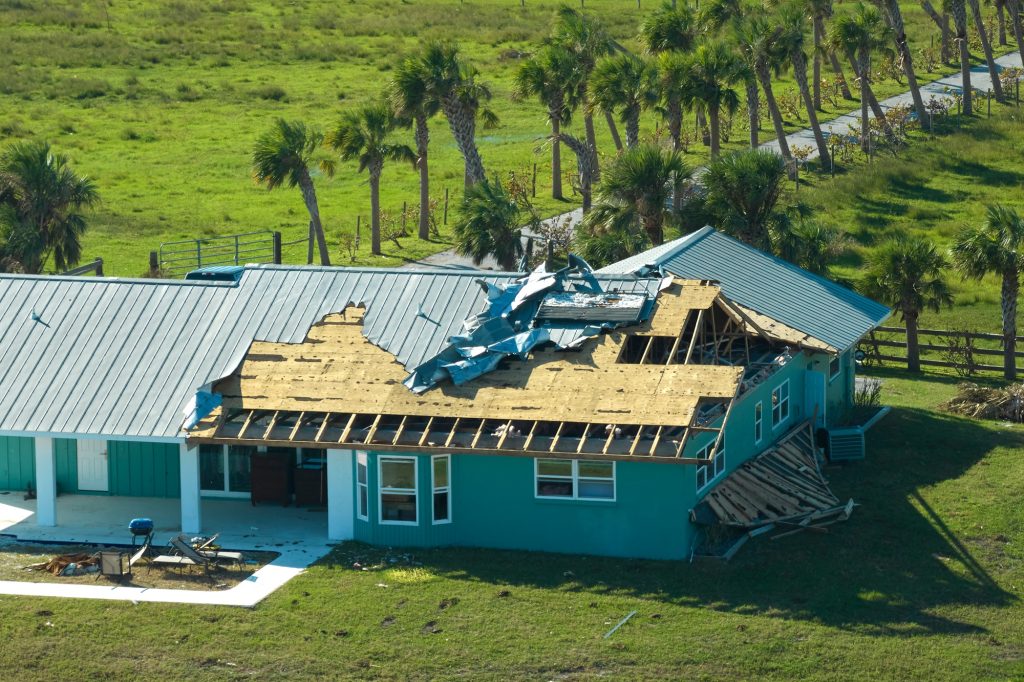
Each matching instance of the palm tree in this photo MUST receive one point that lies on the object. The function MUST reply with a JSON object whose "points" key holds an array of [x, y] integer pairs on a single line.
{"points": [[1018, 30], [412, 100], [282, 156], [41, 203], [906, 273], [996, 246], [791, 41], [716, 15], [668, 29], [820, 11], [743, 190], [586, 39], [549, 75], [894, 18], [858, 35], [757, 39], [956, 7], [452, 82], [711, 70], [625, 83], [986, 46], [942, 22], [487, 224], [363, 135], [586, 166], [634, 193], [810, 245]]}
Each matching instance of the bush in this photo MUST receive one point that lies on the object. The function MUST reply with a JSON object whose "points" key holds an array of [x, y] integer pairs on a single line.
{"points": [[271, 92]]}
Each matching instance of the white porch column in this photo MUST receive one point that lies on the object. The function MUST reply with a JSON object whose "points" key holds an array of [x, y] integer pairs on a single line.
{"points": [[340, 495], [46, 483], [191, 509]]}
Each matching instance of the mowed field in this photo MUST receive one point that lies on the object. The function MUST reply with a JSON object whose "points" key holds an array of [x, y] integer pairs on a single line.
{"points": [[160, 102], [923, 583]]}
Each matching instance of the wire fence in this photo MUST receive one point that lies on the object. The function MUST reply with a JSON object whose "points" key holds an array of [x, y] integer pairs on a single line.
{"points": [[181, 257]]}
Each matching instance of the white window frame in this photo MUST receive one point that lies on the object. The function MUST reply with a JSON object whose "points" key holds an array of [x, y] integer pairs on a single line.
{"points": [[838, 359], [435, 489], [226, 491], [758, 422], [381, 490], [717, 464], [575, 479], [362, 461], [777, 405]]}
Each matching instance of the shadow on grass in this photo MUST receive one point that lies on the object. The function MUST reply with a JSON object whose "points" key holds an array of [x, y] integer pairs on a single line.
{"points": [[888, 572], [985, 175]]}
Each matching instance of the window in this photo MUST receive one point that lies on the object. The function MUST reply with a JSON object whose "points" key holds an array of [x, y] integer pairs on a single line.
{"points": [[573, 479], [780, 404], [226, 470], [707, 473], [362, 488], [440, 468], [835, 365], [397, 490], [758, 421]]}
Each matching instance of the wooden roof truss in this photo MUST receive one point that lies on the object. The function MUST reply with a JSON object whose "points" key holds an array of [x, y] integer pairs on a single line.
{"points": [[411, 433]]}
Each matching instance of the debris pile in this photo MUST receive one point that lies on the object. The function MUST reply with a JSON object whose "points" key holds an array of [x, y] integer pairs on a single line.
{"points": [[68, 564], [1006, 403]]}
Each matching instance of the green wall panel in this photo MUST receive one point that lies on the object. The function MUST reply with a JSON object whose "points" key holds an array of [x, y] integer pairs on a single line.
{"points": [[144, 469], [17, 463], [65, 451]]}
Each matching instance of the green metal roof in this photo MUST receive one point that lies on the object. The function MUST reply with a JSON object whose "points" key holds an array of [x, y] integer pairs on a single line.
{"points": [[771, 286]]}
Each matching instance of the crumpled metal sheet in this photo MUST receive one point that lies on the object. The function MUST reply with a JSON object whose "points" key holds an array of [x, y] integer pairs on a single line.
{"points": [[510, 325]]}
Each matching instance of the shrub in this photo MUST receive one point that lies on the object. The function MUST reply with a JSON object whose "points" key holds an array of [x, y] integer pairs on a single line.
{"points": [[271, 92]]}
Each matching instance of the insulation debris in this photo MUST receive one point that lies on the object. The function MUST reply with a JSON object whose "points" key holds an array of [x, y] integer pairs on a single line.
{"points": [[972, 400], [522, 316]]}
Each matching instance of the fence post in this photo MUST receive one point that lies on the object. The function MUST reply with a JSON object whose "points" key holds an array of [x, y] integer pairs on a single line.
{"points": [[309, 246], [199, 254], [405, 207], [277, 248], [445, 205], [236, 249], [154, 262], [534, 180], [99, 267]]}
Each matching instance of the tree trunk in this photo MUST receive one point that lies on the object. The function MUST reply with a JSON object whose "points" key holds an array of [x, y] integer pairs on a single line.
{"points": [[310, 242], [715, 124], [1010, 290], [422, 144], [913, 350], [872, 101], [960, 20], [903, 50], [588, 126], [1001, 16], [986, 46], [375, 210], [752, 113], [613, 130], [946, 40], [462, 122], [675, 131], [556, 156], [633, 127], [764, 77], [309, 196], [942, 23], [863, 70], [800, 73], [816, 70], [837, 68], [1015, 20]]}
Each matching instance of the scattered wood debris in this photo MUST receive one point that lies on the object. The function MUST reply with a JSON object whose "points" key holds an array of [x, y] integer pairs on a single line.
{"points": [[972, 400]]}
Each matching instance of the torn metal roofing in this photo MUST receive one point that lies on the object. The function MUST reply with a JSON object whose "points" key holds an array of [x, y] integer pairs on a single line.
{"points": [[123, 358], [769, 285]]}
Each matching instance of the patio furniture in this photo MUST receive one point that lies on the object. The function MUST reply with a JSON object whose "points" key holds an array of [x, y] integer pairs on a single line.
{"points": [[212, 555], [112, 565], [186, 557]]}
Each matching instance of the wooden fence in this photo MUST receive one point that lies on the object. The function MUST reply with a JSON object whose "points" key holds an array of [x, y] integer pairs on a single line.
{"points": [[967, 352]]}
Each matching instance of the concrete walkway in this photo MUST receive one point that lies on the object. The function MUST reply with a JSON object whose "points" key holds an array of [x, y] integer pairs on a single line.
{"points": [[298, 535], [941, 88]]}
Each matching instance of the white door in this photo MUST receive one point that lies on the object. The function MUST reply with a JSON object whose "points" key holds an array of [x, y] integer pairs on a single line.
{"points": [[92, 465]]}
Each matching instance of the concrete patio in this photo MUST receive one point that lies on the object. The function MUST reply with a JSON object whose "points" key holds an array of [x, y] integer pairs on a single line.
{"points": [[299, 535]]}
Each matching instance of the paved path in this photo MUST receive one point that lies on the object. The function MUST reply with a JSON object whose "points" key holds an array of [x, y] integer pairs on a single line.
{"points": [[941, 88]]}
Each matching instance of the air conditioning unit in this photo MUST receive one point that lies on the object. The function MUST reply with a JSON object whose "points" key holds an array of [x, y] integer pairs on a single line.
{"points": [[845, 445]]}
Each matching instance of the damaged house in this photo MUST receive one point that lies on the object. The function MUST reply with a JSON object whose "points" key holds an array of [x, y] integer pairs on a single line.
{"points": [[635, 411]]}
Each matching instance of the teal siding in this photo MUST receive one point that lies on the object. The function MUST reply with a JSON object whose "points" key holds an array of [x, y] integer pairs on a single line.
{"points": [[493, 505], [65, 451], [839, 391], [17, 463], [144, 469]]}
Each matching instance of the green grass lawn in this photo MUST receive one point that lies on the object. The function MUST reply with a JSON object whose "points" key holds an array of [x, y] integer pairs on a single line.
{"points": [[923, 583], [160, 102]]}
